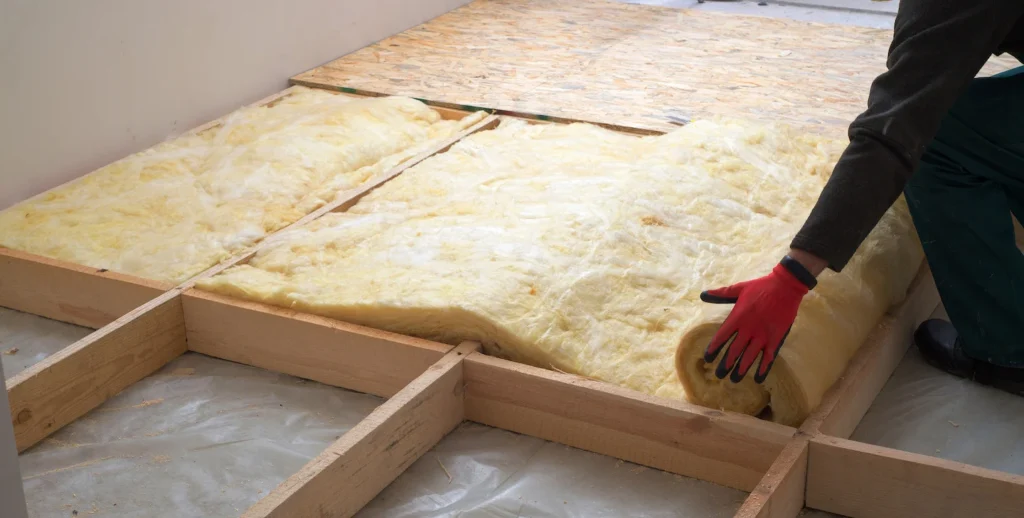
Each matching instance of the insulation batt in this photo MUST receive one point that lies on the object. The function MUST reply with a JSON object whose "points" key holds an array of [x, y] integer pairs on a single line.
{"points": [[584, 250], [173, 210]]}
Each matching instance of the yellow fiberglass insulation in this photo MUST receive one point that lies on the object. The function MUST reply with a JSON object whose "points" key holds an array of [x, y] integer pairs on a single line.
{"points": [[585, 250], [171, 211]]}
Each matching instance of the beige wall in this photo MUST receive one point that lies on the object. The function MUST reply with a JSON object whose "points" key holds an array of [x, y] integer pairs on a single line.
{"points": [[83, 83]]}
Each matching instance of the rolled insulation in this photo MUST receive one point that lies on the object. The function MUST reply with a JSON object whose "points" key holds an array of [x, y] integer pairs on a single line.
{"points": [[585, 250]]}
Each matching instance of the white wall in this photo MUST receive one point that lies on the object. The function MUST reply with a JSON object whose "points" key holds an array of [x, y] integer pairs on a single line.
{"points": [[85, 82]]}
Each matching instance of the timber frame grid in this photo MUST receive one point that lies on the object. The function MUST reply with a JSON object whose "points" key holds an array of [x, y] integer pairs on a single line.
{"points": [[141, 325]]}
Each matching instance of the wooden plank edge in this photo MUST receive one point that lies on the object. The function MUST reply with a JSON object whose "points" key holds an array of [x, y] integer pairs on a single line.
{"points": [[70, 292], [728, 449], [300, 81], [352, 471], [862, 480], [781, 492], [308, 346], [849, 398], [343, 201], [77, 379]]}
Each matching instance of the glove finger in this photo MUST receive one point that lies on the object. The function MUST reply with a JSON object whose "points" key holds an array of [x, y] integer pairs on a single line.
{"points": [[726, 295], [732, 354], [768, 359], [755, 348], [722, 336]]}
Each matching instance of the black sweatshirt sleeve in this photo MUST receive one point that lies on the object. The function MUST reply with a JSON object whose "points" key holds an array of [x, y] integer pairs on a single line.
{"points": [[937, 49]]}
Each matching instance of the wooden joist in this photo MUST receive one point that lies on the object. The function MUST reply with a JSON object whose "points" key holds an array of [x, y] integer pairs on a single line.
{"points": [[728, 449], [350, 472], [70, 292], [866, 481], [65, 386], [307, 346], [780, 493]]}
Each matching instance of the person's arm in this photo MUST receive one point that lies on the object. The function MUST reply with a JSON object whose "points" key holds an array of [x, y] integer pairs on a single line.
{"points": [[938, 47]]}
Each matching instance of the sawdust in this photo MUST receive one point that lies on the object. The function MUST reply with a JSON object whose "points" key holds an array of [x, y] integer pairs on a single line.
{"points": [[183, 371], [161, 459], [144, 404], [12, 351], [60, 443]]}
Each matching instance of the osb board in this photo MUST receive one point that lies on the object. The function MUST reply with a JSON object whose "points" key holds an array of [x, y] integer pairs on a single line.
{"points": [[625, 64]]}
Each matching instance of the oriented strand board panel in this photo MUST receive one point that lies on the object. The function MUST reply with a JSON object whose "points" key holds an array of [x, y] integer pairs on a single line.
{"points": [[624, 64]]}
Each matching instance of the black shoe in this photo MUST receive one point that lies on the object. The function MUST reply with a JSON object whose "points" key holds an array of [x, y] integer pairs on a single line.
{"points": [[941, 348], [1007, 379], [939, 343]]}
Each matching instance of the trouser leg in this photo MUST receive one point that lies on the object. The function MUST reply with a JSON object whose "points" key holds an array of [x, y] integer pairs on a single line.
{"points": [[961, 197]]}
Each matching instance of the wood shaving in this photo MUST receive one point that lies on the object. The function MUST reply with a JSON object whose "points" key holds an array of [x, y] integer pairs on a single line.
{"points": [[144, 404], [12, 351], [445, 469]]}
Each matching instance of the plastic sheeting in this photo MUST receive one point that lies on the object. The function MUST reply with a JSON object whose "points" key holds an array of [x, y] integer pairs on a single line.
{"points": [[924, 410], [499, 474], [202, 437], [206, 437]]}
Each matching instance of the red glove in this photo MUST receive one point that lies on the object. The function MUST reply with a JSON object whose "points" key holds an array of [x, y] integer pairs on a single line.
{"points": [[759, 323]]}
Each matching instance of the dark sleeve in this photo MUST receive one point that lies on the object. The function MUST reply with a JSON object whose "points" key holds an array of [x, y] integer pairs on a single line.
{"points": [[938, 47]]}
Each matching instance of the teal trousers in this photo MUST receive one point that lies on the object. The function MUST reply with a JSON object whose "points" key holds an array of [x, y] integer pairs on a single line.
{"points": [[970, 181]]}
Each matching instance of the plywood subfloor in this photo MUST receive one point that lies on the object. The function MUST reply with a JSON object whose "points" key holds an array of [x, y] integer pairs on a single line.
{"points": [[625, 64]]}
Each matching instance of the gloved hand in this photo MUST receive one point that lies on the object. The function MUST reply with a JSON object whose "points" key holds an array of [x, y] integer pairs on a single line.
{"points": [[759, 323]]}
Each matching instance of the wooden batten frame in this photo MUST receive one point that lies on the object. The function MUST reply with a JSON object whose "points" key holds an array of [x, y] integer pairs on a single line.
{"points": [[729, 449], [432, 387], [145, 339]]}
